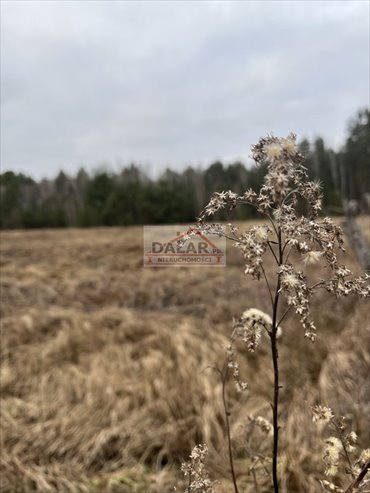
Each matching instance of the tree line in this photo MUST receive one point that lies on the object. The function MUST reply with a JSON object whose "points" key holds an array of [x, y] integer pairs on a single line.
{"points": [[130, 198]]}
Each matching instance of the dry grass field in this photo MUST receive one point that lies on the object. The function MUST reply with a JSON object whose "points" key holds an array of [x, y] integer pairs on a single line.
{"points": [[104, 383]]}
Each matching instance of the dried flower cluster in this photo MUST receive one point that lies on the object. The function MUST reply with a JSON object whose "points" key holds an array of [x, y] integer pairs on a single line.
{"points": [[249, 327], [314, 240], [331, 487], [333, 448], [296, 241], [263, 424], [234, 366], [195, 471], [340, 448], [322, 414]]}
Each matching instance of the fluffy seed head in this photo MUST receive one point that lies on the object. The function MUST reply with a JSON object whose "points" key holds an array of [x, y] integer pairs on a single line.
{"points": [[365, 455], [312, 257], [273, 151], [289, 146], [331, 471], [250, 326], [289, 281], [352, 438], [322, 414], [261, 234], [332, 450], [253, 315], [264, 425], [331, 487]]}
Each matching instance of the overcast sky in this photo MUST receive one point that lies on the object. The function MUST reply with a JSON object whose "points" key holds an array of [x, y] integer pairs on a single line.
{"points": [[174, 83]]}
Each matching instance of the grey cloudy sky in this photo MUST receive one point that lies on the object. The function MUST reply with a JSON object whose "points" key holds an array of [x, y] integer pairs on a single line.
{"points": [[174, 83]]}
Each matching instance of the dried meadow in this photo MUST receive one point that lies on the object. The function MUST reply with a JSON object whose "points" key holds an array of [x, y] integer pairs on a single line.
{"points": [[104, 386]]}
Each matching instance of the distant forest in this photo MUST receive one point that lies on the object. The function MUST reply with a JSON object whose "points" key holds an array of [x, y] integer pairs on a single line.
{"points": [[131, 198]]}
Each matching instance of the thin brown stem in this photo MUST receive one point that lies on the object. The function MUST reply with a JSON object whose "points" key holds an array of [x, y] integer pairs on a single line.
{"points": [[231, 238], [263, 466], [351, 488], [284, 315], [318, 284], [268, 285], [288, 254], [289, 194], [275, 405], [255, 481], [273, 224], [273, 253], [275, 356], [343, 442], [224, 374], [227, 414]]}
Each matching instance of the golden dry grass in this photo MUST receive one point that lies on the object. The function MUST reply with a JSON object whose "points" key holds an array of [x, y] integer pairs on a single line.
{"points": [[103, 380]]}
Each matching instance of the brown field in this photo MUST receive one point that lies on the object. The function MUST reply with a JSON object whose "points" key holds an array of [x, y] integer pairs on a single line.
{"points": [[104, 383]]}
